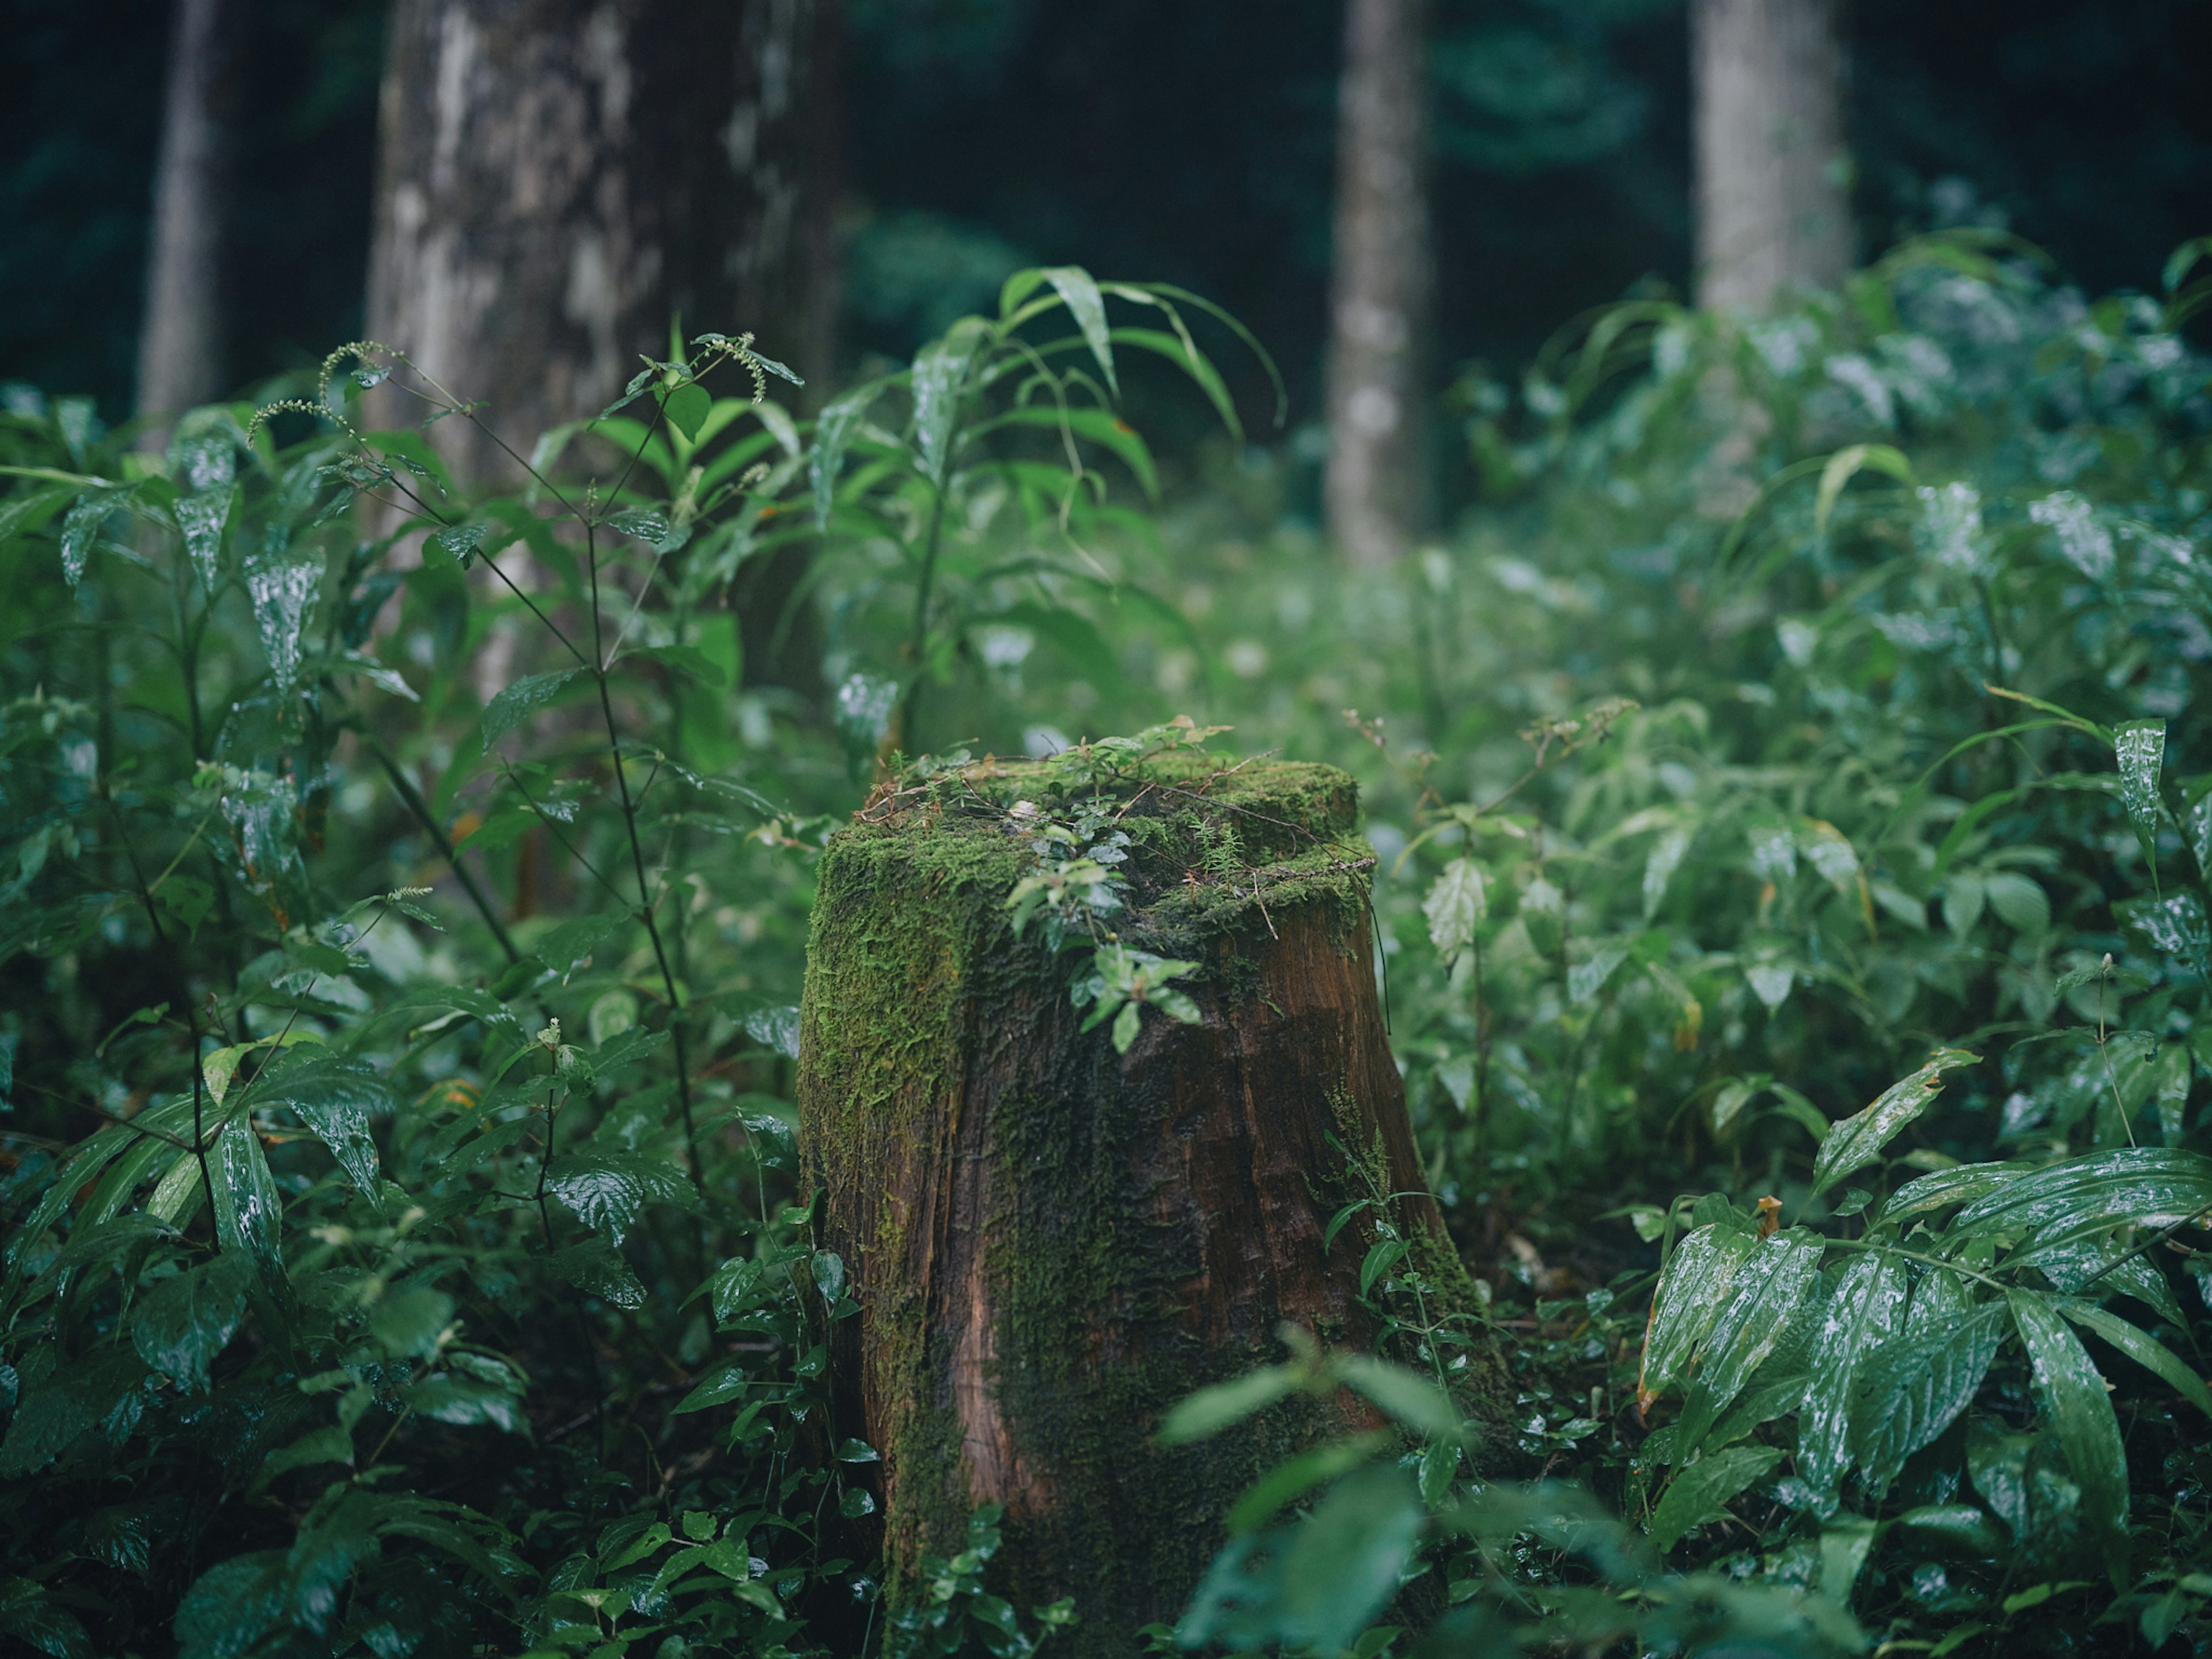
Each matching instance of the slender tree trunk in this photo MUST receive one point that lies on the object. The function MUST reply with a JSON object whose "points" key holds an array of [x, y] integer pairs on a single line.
{"points": [[179, 344], [1379, 306], [1051, 1243], [1772, 209], [560, 178]]}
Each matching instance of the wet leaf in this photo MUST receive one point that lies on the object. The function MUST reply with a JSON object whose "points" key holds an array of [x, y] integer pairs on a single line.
{"points": [[249, 1210], [609, 1191], [1455, 904], [1857, 1141], [1867, 1309], [180, 1327], [2072, 1394], [2141, 745], [1906, 1392], [687, 408], [282, 586], [1769, 1288], [202, 520], [594, 1267], [1700, 1280], [521, 700], [1699, 1495], [1078, 291], [2145, 1349], [833, 431], [1211, 1410]]}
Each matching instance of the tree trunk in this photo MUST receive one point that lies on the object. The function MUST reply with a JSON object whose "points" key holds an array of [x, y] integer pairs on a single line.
{"points": [[1379, 305], [1051, 1243], [1772, 212], [560, 178], [180, 343]]}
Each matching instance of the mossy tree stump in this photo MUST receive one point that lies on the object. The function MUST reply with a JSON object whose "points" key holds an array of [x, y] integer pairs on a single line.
{"points": [[1052, 1243]]}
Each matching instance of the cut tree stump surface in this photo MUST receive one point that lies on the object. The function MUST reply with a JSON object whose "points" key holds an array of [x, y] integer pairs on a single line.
{"points": [[1052, 1243]]}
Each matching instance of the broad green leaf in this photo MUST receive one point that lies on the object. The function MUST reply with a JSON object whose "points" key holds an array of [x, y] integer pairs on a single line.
{"points": [[282, 584], [1961, 1184], [687, 407], [187, 1320], [1847, 463], [1699, 1280], [1857, 1141], [29, 1614], [1660, 864], [1699, 1494], [1297, 1475], [1906, 1392], [833, 431], [522, 699], [2172, 1088], [65, 1405], [462, 1400], [2072, 1394], [232, 1606], [2145, 1349], [1940, 1301], [201, 520], [2019, 899], [1867, 1309], [1959, 1527], [1770, 1288], [249, 1209], [2148, 1186], [609, 1191], [335, 1098], [408, 1320], [2098, 1268], [940, 381], [2141, 745], [727, 1384], [81, 526], [1313, 1585], [1080, 293], [1405, 1396], [1211, 1410]]}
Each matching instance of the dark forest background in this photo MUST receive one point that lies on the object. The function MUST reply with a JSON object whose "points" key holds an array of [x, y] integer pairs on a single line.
{"points": [[1190, 143]]}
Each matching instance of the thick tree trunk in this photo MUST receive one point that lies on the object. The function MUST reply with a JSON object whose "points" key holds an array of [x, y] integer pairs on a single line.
{"points": [[1051, 1243], [560, 178], [1380, 283], [180, 343], [1772, 213]]}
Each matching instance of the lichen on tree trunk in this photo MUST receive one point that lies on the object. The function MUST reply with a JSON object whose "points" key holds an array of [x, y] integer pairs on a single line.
{"points": [[1051, 1243]]}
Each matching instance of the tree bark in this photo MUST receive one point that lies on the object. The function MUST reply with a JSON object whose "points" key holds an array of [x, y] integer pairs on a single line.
{"points": [[180, 340], [560, 178], [1051, 1243], [1381, 284], [1772, 212]]}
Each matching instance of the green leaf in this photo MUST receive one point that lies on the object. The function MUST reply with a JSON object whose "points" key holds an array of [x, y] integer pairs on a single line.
{"points": [[1206, 1413], [65, 1406], [522, 699], [1961, 1184], [833, 431], [1296, 1476], [2072, 1394], [187, 1320], [336, 1098], [2141, 746], [609, 1191], [594, 1267], [2148, 1186], [939, 379], [1857, 1140], [1080, 293], [202, 520], [1770, 1288], [1847, 463], [1960, 1527], [81, 526], [1454, 907], [687, 407], [2145, 1349], [686, 659], [462, 1400], [1700, 1280], [1866, 1311], [408, 1320], [282, 586], [1315, 1585], [1699, 1495], [232, 1606], [1403, 1396], [1905, 1393], [29, 1615], [248, 1208], [460, 541]]}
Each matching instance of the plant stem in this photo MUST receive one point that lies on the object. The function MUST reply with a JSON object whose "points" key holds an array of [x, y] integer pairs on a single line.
{"points": [[645, 906], [412, 799], [911, 725]]}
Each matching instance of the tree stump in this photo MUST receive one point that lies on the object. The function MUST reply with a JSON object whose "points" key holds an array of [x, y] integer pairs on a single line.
{"points": [[1051, 1243]]}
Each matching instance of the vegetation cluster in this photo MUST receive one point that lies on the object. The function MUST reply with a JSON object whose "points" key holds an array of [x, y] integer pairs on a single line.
{"points": [[406, 896]]}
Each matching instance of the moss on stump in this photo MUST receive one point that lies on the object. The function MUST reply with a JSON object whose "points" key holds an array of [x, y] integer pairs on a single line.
{"points": [[1051, 1243]]}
